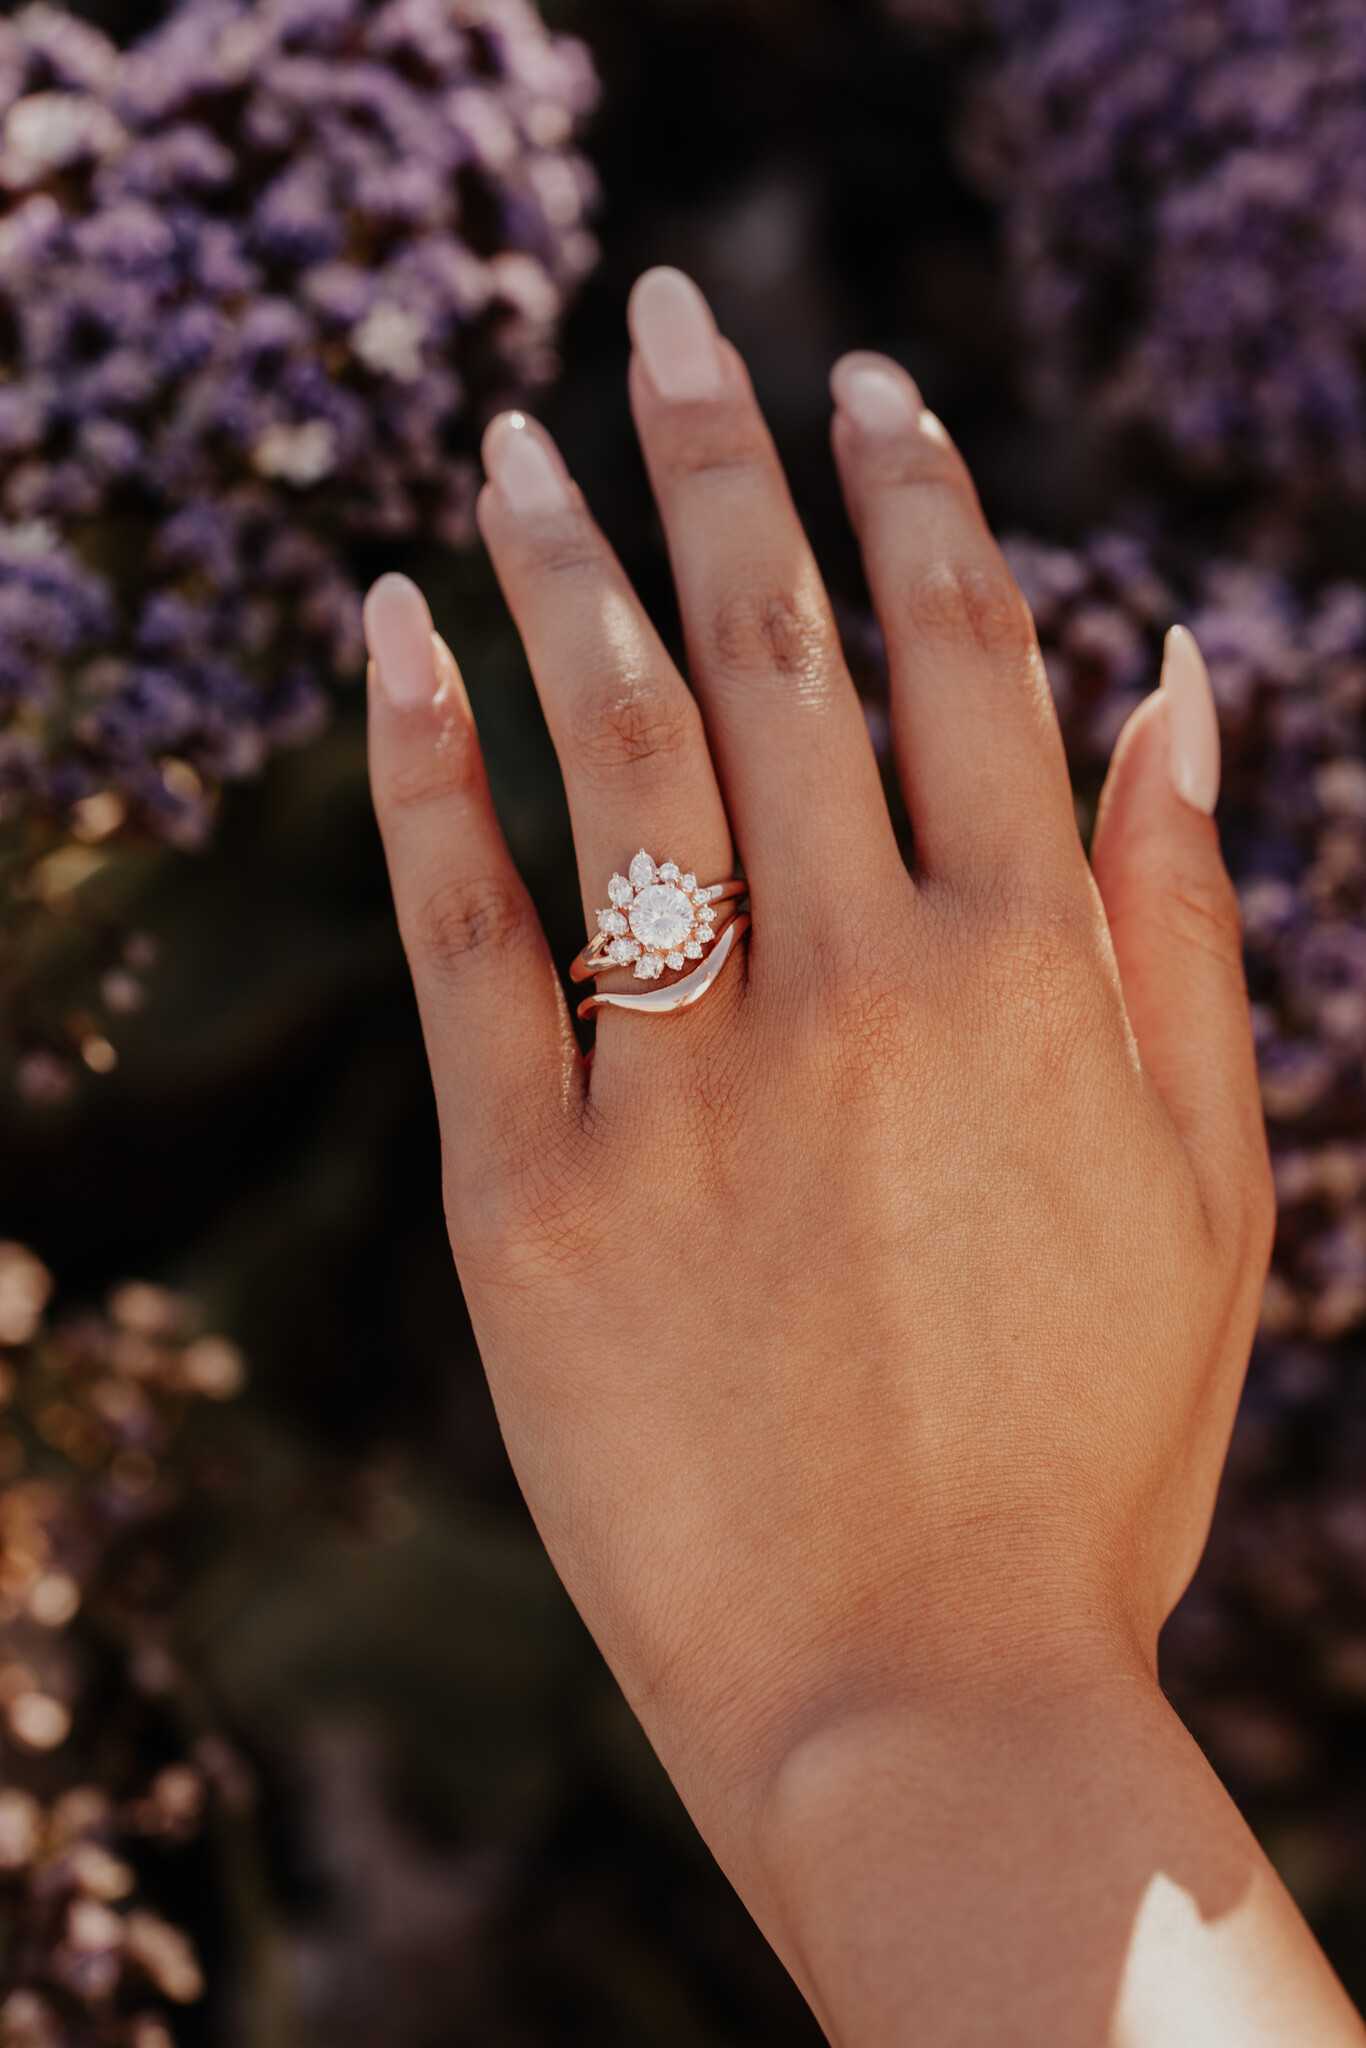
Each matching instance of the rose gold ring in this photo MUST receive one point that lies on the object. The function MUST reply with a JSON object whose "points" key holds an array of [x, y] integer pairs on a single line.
{"points": [[677, 997], [657, 918]]}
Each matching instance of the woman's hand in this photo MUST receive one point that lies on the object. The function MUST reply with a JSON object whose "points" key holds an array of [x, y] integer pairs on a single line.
{"points": [[867, 1337]]}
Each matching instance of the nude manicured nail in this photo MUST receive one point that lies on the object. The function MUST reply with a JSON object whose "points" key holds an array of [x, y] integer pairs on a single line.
{"points": [[1192, 722], [672, 326], [877, 395], [398, 633], [527, 467]]}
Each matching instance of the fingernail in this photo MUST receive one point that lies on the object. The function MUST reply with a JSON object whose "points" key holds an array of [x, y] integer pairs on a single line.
{"points": [[672, 326], [1192, 722], [450, 684], [398, 633], [875, 394], [527, 467], [933, 428]]}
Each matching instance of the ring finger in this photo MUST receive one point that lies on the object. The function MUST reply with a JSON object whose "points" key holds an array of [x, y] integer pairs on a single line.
{"points": [[625, 726]]}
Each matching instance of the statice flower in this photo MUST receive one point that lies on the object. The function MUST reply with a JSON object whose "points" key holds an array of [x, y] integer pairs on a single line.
{"points": [[92, 1477], [261, 279], [1183, 186]]}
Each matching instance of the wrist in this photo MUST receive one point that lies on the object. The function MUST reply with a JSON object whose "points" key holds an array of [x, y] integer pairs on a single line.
{"points": [[890, 1833], [756, 1783], [1053, 1864]]}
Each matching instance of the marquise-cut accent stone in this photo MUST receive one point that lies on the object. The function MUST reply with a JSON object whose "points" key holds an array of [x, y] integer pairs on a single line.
{"points": [[612, 921], [623, 951], [669, 871], [692, 951], [674, 959], [641, 870], [620, 890]]}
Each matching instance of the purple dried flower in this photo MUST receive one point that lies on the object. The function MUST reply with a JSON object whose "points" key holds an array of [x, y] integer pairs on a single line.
{"points": [[246, 304], [1185, 209], [261, 278]]}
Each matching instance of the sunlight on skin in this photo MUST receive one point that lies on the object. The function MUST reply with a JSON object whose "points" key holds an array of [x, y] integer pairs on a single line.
{"points": [[887, 1608], [1221, 1983]]}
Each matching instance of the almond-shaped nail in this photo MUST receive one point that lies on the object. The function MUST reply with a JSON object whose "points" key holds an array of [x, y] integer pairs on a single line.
{"points": [[1192, 721], [523, 461], [398, 634], [875, 393], [672, 326]]}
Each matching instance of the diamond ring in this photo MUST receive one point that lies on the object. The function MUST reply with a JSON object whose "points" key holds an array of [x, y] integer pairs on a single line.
{"points": [[657, 917]]}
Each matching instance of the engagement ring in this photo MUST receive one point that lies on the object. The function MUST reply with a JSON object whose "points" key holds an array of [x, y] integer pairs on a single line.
{"points": [[658, 917]]}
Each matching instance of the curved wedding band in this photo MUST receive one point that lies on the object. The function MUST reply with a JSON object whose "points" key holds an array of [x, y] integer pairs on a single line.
{"points": [[658, 918], [593, 960], [690, 990]]}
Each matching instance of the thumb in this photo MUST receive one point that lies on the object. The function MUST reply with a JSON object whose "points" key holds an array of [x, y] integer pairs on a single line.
{"points": [[1174, 921]]}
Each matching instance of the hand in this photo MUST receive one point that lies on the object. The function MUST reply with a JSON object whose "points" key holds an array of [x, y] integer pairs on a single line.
{"points": [[867, 1338]]}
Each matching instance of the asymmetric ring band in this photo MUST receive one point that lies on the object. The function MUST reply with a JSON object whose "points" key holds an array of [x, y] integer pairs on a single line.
{"points": [[657, 918], [690, 989]]}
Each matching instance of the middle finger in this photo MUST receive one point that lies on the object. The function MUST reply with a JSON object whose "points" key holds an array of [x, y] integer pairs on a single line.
{"points": [[788, 734]]}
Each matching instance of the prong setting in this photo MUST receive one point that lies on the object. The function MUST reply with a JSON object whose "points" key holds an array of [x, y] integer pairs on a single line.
{"points": [[658, 917]]}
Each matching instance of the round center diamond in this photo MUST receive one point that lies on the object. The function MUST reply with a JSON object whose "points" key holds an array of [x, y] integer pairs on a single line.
{"points": [[661, 917]]}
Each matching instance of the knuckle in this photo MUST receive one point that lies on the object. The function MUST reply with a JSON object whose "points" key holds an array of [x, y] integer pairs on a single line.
{"points": [[724, 440], [869, 1034], [1040, 962], [567, 552], [639, 723], [450, 768], [1200, 909], [529, 1217], [850, 1020], [766, 631], [914, 462], [455, 918], [977, 602]]}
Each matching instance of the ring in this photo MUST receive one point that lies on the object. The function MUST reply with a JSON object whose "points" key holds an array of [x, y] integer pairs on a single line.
{"points": [[659, 917], [690, 990]]}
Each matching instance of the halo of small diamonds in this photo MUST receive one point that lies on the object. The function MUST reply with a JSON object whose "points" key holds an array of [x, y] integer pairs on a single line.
{"points": [[657, 917]]}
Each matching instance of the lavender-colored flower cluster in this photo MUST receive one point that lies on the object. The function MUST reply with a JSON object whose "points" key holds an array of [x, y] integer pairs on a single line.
{"points": [[1183, 187], [258, 275], [89, 1490]]}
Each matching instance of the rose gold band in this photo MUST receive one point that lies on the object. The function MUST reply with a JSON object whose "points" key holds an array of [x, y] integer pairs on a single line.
{"points": [[690, 989]]}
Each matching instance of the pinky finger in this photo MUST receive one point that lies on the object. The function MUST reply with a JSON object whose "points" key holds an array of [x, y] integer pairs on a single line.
{"points": [[502, 1051]]}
